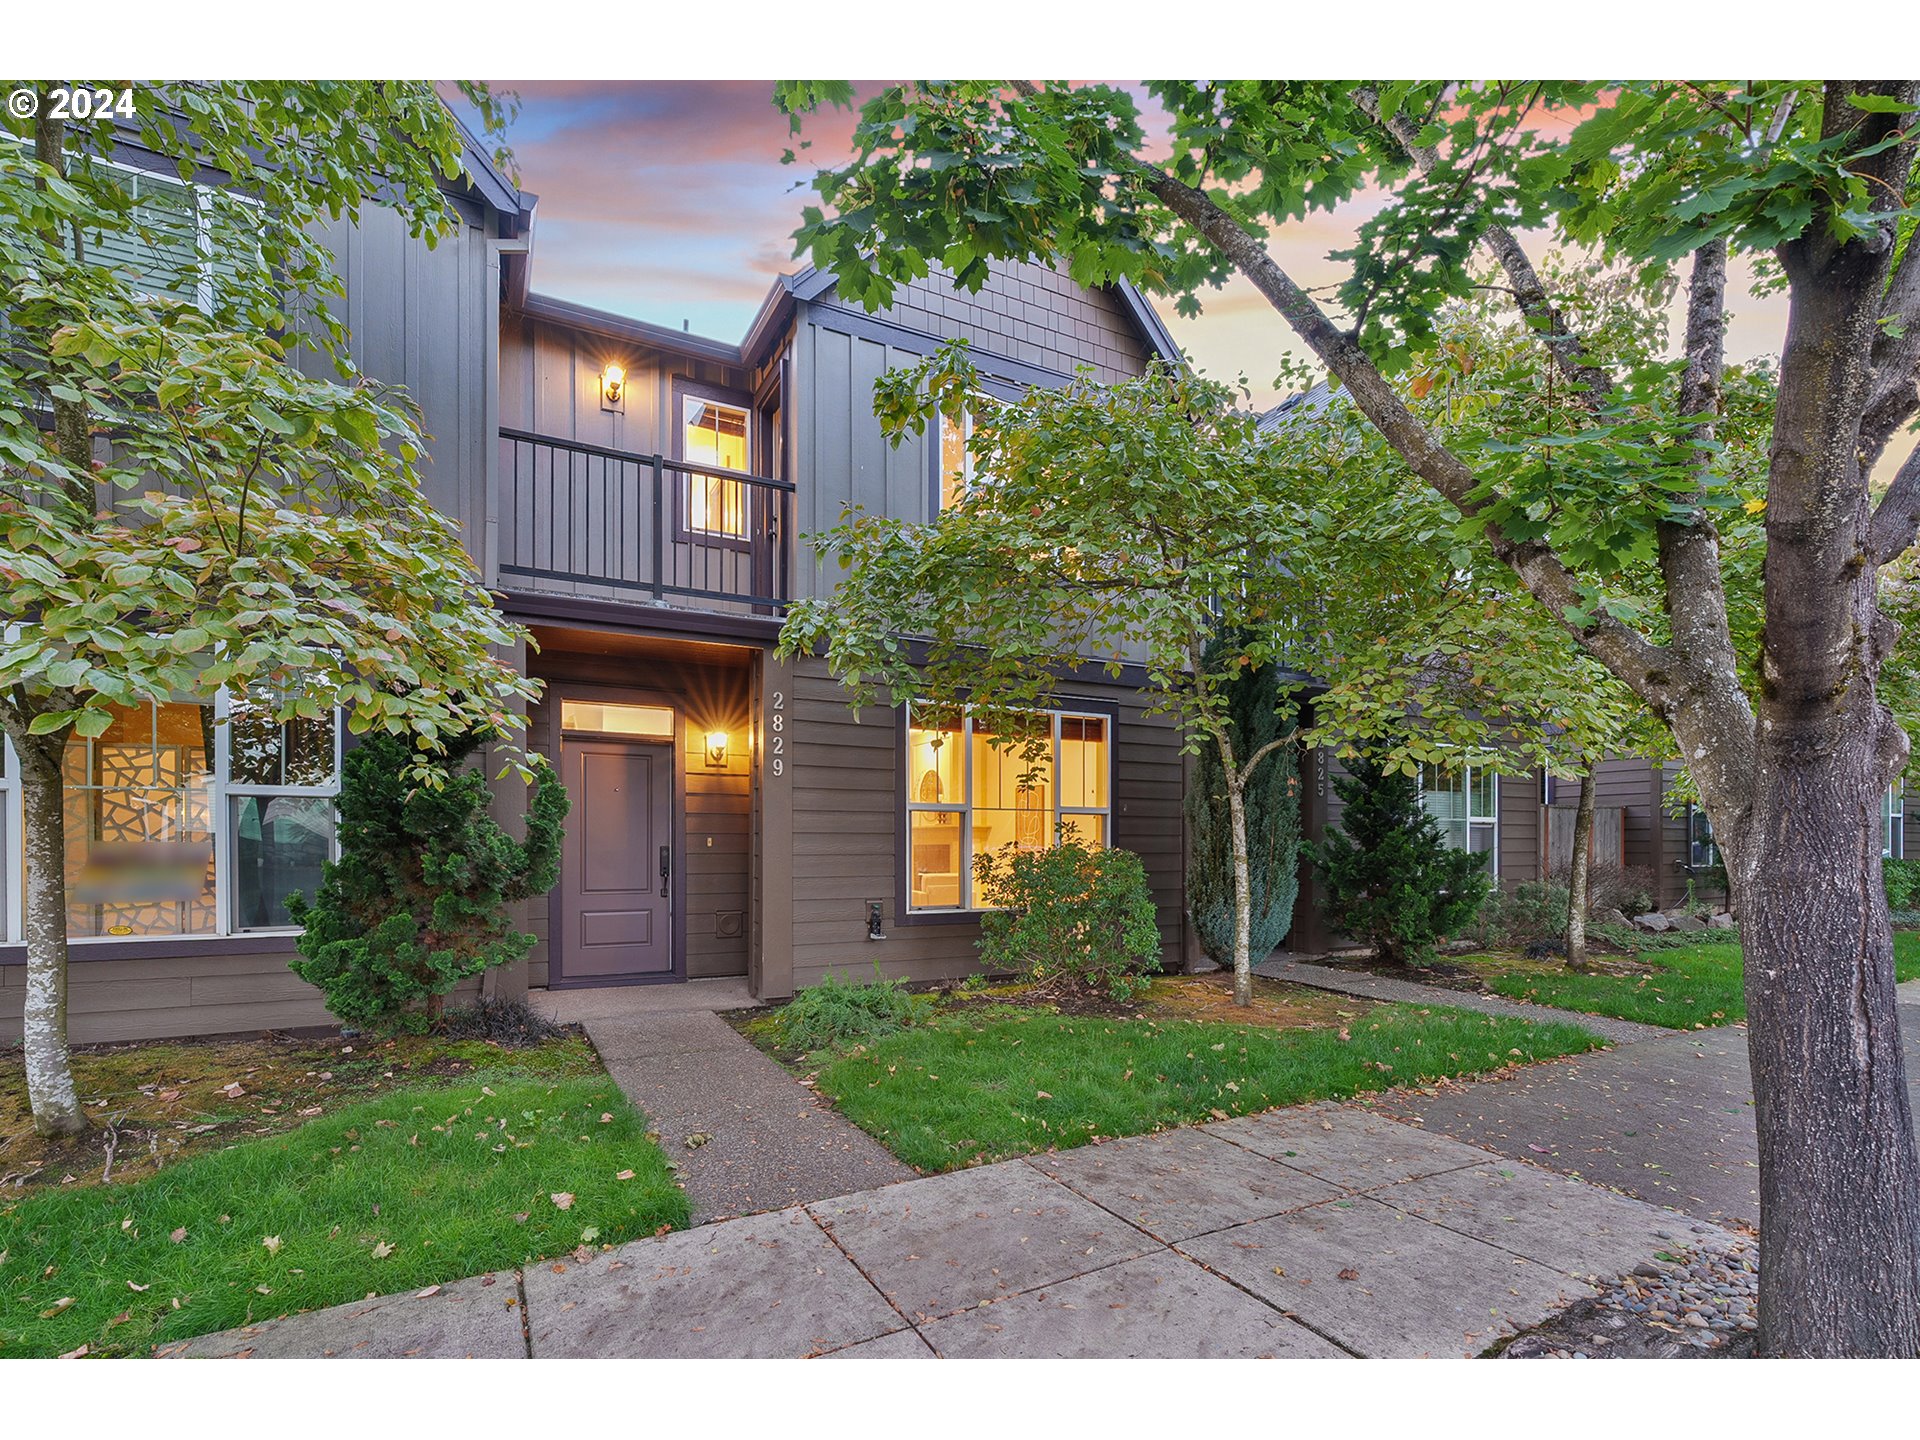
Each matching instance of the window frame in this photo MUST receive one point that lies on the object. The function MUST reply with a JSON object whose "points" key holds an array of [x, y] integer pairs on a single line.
{"points": [[685, 532], [937, 502], [1062, 708], [1696, 813], [1490, 823], [1893, 822], [222, 791]]}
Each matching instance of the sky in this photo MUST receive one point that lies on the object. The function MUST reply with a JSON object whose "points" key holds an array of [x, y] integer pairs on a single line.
{"points": [[667, 201]]}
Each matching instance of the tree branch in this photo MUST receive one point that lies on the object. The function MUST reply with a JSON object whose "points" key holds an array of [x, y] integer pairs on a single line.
{"points": [[1894, 392], [1897, 517], [1568, 349], [1630, 655]]}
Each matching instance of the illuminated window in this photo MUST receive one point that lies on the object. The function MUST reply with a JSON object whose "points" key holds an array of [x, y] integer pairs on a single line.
{"points": [[716, 435], [648, 722], [1465, 804], [959, 468], [187, 818], [970, 791]]}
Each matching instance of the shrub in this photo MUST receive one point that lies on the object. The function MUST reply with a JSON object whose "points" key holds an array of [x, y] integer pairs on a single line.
{"points": [[1529, 914], [838, 1012], [418, 898], [1074, 916], [1626, 888], [1256, 717], [1389, 878], [1902, 879]]}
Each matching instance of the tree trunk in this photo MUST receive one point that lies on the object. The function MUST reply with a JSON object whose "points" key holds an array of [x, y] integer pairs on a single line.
{"points": [[50, 1090], [1839, 1184], [1579, 865], [1242, 878]]}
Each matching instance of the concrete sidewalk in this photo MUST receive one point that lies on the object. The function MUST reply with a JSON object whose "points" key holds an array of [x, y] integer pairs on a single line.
{"points": [[1320, 1231]]}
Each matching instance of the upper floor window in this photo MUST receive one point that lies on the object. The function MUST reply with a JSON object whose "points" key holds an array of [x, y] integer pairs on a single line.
{"points": [[959, 468], [971, 791], [188, 818], [1465, 804], [716, 434]]}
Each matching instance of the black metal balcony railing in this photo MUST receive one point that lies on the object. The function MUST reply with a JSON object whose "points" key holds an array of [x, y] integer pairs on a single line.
{"points": [[667, 530]]}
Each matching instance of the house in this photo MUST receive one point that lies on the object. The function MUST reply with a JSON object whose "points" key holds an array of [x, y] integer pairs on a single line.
{"points": [[639, 498]]}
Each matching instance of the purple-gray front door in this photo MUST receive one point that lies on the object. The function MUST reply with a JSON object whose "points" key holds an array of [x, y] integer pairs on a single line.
{"points": [[616, 871]]}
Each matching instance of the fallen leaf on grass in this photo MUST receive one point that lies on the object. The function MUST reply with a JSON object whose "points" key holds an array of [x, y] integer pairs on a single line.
{"points": [[606, 1117], [54, 1309], [382, 1250], [138, 1288], [562, 1200], [624, 1175], [271, 1244], [76, 1354]]}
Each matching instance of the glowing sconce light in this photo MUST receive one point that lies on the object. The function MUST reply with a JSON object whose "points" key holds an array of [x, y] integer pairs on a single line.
{"points": [[613, 383], [716, 749]]}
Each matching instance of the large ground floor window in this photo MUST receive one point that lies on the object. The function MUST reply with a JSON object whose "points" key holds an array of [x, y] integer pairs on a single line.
{"points": [[188, 818], [1465, 803], [971, 791]]}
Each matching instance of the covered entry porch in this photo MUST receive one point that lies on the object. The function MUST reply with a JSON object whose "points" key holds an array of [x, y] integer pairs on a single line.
{"points": [[653, 737]]}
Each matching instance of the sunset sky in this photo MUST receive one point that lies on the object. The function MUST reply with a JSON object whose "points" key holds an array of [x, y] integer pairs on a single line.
{"points": [[666, 200]]}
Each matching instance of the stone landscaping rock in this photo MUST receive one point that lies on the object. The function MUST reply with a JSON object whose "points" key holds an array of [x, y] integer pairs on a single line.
{"points": [[1686, 923], [1722, 921], [1653, 921], [1610, 916]]}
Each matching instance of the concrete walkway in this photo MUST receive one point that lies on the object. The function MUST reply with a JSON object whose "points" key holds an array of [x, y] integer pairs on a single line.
{"points": [[1669, 1120], [1381, 987], [743, 1133], [1319, 1231]]}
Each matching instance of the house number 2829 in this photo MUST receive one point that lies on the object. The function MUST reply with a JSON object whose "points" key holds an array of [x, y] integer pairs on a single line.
{"points": [[778, 746]]}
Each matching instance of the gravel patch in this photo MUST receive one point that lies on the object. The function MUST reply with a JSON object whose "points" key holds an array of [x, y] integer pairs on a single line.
{"points": [[1684, 1303]]}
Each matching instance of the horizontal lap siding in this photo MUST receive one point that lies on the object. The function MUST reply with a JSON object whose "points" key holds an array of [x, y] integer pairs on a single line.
{"points": [[848, 845], [211, 994]]}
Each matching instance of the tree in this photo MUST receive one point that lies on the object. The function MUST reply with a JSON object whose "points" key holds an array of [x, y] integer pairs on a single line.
{"points": [[181, 508], [1390, 879], [1816, 179], [1256, 712], [418, 900], [1138, 523]]}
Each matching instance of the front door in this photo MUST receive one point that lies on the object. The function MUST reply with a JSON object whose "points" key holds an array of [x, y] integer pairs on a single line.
{"points": [[616, 874]]}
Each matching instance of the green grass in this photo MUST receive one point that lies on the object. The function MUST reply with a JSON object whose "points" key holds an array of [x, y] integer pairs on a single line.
{"points": [[456, 1179], [1691, 985], [973, 1086]]}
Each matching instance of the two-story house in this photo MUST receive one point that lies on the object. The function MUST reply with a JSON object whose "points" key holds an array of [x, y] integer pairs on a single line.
{"points": [[639, 498]]}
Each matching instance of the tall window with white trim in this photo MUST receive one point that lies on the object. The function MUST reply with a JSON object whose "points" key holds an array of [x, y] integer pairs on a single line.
{"points": [[971, 791], [188, 818], [1465, 803]]}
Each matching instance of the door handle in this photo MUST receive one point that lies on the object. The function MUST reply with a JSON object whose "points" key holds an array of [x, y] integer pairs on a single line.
{"points": [[666, 867]]}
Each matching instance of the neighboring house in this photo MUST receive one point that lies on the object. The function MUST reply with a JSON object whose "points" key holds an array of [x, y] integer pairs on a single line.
{"points": [[638, 497]]}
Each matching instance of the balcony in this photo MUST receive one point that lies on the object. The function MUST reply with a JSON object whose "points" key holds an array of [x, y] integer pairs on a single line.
{"points": [[584, 520]]}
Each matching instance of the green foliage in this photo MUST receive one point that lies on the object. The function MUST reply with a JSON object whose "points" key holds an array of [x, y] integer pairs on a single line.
{"points": [[249, 521], [838, 1012], [1075, 915], [1529, 913], [974, 1087], [1256, 713], [418, 900], [424, 1186], [1388, 878], [1902, 879]]}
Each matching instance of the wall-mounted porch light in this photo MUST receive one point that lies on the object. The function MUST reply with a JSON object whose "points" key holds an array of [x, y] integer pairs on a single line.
{"points": [[613, 383], [716, 749]]}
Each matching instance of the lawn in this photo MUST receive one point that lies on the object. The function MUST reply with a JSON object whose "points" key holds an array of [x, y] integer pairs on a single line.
{"points": [[1681, 988], [422, 1185], [985, 1083]]}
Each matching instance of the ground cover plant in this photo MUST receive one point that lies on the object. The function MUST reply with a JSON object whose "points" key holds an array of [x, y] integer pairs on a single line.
{"points": [[985, 1081], [420, 1186], [1679, 986], [838, 1011]]}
